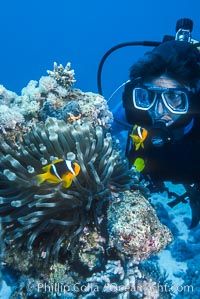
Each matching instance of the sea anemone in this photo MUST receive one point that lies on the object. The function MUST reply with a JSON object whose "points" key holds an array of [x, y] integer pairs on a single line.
{"points": [[48, 214]]}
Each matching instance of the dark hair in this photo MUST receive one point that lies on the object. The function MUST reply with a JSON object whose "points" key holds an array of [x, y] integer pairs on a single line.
{"points": [[178, 59]]}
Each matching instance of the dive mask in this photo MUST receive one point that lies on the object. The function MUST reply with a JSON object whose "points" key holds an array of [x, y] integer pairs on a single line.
{"points": [[174, 99]]}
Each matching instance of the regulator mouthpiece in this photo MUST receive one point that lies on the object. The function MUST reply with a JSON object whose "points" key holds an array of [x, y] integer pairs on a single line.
{"points": [[160, 134]]}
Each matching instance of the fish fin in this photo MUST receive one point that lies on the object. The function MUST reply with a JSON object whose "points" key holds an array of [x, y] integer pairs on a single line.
{"points": [[45, 177], [145, 133], [134, 128], [76, 168], [40, 178], [137, 146], [68, 178], [56, 161], [67, 183], [135, 137], [46, 168], [136, 141]]}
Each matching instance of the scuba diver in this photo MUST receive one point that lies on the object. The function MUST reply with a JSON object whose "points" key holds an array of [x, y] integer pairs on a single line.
{"points": [[161, 112], [163, 100]]}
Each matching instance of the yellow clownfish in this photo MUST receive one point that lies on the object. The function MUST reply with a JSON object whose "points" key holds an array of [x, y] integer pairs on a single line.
{"points": [[59, 171], [138, 136]]}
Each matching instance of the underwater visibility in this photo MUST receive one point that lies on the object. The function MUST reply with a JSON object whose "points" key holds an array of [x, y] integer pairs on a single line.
{"points": [[71, 209], [76, 221]]}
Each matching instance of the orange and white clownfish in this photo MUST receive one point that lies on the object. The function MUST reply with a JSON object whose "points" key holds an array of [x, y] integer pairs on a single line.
{"points": [[59, 171], [138, 136]]}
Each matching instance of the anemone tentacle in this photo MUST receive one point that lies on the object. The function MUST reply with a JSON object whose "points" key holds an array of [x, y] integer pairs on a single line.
{"points": [[30, 211]]}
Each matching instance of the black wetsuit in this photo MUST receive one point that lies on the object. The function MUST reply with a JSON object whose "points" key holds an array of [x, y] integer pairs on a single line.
{"points": [[178, 162]]}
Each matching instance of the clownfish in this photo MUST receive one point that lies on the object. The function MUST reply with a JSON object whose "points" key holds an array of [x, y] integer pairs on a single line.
{"points": [[59, 171], [138, 136]]}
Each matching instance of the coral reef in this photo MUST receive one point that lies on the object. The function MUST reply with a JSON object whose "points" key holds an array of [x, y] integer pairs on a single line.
{"points": [[63, 76], [10, 117], [29, 210], [86, 240], [52, 96], [134, 228], [190, 288], [183, 251], [30, 100], [6, 96], [63, 102], [90, 251], [187, 250], [114, 281]]}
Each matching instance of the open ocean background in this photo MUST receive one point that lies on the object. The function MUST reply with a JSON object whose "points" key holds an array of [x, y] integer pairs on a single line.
{"points": [[34, 34]]}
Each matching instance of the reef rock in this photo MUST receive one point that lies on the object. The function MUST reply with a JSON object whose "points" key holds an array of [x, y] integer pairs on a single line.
{"points": [[134, 228], [95, 231]]}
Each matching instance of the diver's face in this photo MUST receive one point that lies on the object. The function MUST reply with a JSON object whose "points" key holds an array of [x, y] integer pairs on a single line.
{"points": [[159, 111]]}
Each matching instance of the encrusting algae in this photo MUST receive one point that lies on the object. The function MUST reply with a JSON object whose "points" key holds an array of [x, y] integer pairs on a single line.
{"points": [[68, 200]]}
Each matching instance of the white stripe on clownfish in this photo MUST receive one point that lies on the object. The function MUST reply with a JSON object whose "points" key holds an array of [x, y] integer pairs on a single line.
{"points": [[69, 166], [55, 172], [139, 129]]}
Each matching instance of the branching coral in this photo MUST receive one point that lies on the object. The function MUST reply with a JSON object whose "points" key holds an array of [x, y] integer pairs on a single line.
{"points": [[52, 96], [50, 215], [64, 76], [63, 102]]}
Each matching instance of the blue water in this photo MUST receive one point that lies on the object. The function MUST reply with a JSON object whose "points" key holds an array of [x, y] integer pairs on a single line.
{"points": [[36, 33]]}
